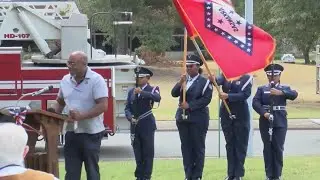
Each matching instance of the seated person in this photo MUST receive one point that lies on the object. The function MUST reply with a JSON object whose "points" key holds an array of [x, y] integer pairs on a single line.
{"points": [[13, 149]]}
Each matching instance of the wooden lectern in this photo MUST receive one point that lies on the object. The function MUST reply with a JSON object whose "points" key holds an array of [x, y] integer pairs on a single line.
{"points": [[50, 124]]}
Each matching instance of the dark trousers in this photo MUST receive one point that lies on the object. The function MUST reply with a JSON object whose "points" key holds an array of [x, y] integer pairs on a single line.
{"points": [[81, 148], [236, 136], [193, 138], [273, 151], [143, 147]]}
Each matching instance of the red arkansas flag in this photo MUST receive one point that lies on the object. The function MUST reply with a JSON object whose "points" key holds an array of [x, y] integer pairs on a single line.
{"points": [[237, 46]]}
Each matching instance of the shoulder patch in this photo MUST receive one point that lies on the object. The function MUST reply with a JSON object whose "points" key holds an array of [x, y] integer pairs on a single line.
{"points": [[155, 89]]}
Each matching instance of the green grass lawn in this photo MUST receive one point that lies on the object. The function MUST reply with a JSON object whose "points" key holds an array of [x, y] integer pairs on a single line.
{"points": [[167, 111], [299, 77], [295, 168]]}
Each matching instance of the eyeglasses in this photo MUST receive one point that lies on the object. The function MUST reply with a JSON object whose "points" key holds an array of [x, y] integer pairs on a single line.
{"points": [[70, 63]]}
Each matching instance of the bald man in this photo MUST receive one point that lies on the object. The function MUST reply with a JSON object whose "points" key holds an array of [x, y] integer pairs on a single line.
{"points": [[13, 149], [83, 94]]}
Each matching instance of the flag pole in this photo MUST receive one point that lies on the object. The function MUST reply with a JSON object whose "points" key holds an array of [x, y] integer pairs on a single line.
{"points": [[209, 72], [184, 68], [249, 18]]}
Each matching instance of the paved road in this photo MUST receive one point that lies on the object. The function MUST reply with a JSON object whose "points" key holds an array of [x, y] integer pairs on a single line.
{"points": [[298, 143]]}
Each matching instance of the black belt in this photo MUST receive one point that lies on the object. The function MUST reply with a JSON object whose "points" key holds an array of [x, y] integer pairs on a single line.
{"points": [[275, 108]]}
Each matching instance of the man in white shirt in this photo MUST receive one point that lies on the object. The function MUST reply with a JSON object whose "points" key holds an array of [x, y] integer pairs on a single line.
{"points": [[84, 94]]}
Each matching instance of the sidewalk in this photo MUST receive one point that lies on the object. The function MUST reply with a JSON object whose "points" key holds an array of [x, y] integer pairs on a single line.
{"points": [[293, 124]]}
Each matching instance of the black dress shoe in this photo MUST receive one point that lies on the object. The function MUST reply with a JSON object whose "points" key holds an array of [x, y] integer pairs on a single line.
{"points": [[237, 178], [229, 178]]}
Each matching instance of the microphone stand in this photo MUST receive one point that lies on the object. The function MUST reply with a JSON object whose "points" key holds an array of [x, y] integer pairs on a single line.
{"points": [[23, 96], [17, 111]]}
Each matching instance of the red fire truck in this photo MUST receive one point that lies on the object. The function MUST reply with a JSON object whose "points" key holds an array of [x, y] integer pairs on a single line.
{"points": [[43, 22]]}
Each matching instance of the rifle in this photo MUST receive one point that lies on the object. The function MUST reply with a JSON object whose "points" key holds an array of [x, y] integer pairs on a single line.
{"points": [[135, 108], [271, 117]]}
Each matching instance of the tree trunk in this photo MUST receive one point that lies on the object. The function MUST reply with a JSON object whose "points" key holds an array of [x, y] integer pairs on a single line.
{"points": [[306, 56]]}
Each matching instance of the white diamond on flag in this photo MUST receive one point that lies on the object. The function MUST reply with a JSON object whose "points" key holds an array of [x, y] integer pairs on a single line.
{"points": [[228, 24]]}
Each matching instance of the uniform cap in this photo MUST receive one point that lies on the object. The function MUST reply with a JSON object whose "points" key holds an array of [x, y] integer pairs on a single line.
{"points": [[193, 59], [143, 72], [276, 68]]}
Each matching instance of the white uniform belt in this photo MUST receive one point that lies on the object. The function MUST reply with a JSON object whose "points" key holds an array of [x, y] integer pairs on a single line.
{"points": [[144, 115], [275, 108]]}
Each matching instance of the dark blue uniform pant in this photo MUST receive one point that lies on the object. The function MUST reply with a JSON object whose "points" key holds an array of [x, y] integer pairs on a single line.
{"points": [[80, 148], [143, 148], [236, 136], [273, 151], [193, 138]]}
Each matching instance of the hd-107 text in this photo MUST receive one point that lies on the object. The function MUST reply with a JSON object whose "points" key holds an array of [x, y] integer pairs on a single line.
{"points": [[12, 36]]}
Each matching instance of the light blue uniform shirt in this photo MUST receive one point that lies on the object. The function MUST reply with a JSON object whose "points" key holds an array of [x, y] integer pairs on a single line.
{"points": [[82, 97]]}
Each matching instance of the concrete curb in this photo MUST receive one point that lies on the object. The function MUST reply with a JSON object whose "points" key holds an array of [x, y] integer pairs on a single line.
{"points": [[255, 129], [293, 124], [316, 121]]}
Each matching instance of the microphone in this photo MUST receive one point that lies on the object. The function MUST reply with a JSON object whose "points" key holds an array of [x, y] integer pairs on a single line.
{"points": [[41, 91], [272, 84]]}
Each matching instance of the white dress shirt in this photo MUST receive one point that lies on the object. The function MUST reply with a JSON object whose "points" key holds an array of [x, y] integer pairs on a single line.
{"points": [[143, 88], [190, 81]]}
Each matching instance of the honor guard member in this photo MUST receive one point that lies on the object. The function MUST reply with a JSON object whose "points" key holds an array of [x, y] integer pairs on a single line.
{"points": [[235, 129], [270, 103], [138, 110], [192, 117]]}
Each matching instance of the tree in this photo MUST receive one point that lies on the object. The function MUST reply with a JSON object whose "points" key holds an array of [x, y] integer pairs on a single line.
{"points": [[239, 7], [154, 21], [155, 27], [296, 21]]}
